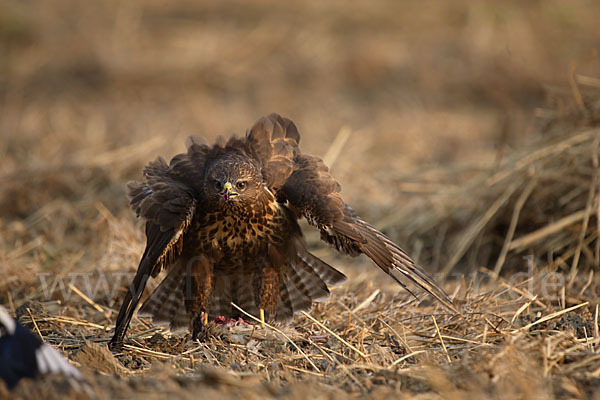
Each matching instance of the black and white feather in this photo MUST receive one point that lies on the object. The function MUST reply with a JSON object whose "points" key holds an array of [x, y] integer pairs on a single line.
{"points": [[24, 355]]}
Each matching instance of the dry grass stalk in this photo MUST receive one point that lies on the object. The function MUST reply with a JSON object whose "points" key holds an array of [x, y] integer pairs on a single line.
{"points": [[541, 200]]}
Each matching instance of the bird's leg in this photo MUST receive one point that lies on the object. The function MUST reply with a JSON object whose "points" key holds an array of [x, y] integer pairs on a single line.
{"points": [[198, 292], [199, 326], [268, 291]]}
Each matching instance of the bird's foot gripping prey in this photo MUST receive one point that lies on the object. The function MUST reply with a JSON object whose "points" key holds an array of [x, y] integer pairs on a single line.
{"points": [[222, 221]]}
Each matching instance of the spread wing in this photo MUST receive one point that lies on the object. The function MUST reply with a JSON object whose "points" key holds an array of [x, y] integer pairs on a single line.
{"points": [[315, 193], [306, 183], [166, 199]]}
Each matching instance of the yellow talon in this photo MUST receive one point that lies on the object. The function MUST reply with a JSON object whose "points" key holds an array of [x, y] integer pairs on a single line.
{"points": [[262, 317], [204, 318]]}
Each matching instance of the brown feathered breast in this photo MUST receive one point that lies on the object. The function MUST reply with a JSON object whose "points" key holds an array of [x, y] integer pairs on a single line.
{"points": [[223, 221]]}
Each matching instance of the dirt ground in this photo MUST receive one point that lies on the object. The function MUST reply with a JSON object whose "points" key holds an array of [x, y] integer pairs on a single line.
{"points": [[409, 103]]}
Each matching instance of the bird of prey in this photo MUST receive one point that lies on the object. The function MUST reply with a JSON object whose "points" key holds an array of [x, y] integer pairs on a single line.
{"points": [[23, 355], [222, 220]]}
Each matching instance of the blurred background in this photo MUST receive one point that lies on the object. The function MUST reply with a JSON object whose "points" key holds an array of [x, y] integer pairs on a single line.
{"points": [[91, 91]]}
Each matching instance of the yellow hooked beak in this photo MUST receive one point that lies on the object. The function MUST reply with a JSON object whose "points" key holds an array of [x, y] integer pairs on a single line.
{"points": [[228, 191]]}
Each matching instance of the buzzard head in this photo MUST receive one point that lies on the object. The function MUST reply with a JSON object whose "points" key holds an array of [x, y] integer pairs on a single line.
{"points": [[233, 183]]}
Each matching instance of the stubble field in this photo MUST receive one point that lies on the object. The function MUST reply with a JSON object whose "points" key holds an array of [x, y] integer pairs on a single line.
{"points": [[468, 132]]}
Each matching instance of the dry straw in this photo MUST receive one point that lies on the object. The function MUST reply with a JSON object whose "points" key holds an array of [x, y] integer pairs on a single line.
{"points": [[542, 200]]}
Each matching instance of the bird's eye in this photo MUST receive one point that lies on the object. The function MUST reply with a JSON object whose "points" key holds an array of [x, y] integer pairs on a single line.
{"points": [[217, 185], [241, 185]]}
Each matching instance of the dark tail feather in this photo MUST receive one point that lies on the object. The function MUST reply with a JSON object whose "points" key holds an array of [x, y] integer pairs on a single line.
{"points": [[237, 288], [166, 304], [221, 296], [303, 281], [326, 272], [307, 281], [285, 308], [244, 293], [298, 300]]}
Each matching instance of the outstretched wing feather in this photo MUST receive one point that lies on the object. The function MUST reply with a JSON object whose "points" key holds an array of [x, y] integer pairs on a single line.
{"points": [[315, 194], [166, 199]]}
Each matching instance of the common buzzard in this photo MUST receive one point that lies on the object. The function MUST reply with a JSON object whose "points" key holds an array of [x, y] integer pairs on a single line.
{"points": [[222, 220]]}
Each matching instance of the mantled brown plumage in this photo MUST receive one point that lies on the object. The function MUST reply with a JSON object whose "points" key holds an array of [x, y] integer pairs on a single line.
{"points": [[222, 220]]}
